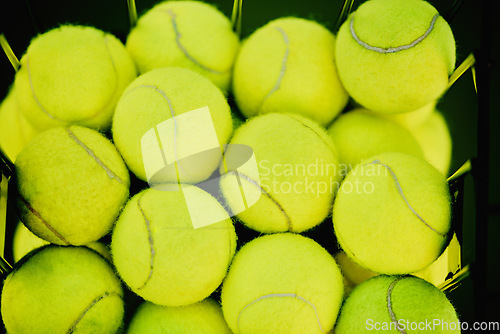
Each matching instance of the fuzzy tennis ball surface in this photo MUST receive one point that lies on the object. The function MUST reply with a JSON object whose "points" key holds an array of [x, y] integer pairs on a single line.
{"points": [[412, 119], [161, 95], [72, 184], [397, 304], [204, 317], [434, 137], [282, 283], [15, 130], [189, 34], [395, 56], [161, 256], [73, 75], [298, 173], [358, 135], [62, 290], [275, 62], [402, 205]]}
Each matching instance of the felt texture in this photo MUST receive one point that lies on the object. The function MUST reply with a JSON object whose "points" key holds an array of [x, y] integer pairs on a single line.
{"points": [[189, 34], [434, 137], [412, 119], [282, 283], [62, 290], [155, 97], [412, 299], [400, 81], [162, 257], [392, 214], [72, 184], [73, 75], [15, 130], [275, 62], [359, 134], [204, 317], [298, 173]]}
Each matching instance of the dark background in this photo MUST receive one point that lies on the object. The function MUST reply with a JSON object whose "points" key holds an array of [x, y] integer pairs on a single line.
{"points": [[475, 29]]}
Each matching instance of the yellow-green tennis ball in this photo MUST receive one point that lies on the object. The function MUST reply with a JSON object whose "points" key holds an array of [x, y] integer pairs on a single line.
{"points": [[282, 283], [435, 139], [275, 63], [359, 134], [189, 34], [412, 119], [160, 95], [298, 173], [160, 254], [397, 304], [73, 75], [72, 184], [24, 241], [395, 56], [204, 317], [402, 205], [62, 290], [15, 130], [352, 272]]}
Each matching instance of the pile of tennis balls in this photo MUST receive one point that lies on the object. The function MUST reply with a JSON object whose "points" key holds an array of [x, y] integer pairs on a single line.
{"points": [[344, 131]]}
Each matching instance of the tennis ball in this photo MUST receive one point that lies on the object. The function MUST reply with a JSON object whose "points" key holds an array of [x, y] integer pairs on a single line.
{"points": [[297, 170], [62, 290], [435, 139], [359, 134], [72, 75], [352, 272], [24, 241], [402, 205], [15, 130], [160, 254], [397, 304], [189, 34], [204, 317], [395, 56], [276, 61], [282, 283], [166, 94], [412, 119], [72, 184]]}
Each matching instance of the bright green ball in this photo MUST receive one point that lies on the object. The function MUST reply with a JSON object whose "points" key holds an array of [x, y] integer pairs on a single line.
{"points": [[204, 317], [382, 302], [288, 66], [72, 183], [189, 34], [282, 283], [73, 75], [160, 254], [395, 56], [402, 206], [62, 290]]}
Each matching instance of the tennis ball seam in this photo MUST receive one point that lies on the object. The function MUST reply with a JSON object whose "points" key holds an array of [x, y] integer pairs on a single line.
{"points": [[394, 319], [87, 309], [44, 222], [178, 35], [401, 193], [46, 112], [391, 49], [280, 295], [284, 61], [330, 147], [150, 242], [88, 150], [280, 207]]}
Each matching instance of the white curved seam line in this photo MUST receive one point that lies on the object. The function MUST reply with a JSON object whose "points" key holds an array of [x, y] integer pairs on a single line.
{"points": [[401, 193], [283, 66], [178, 36], [108, 171], [34, 94], [389, 305], [391, 49], [281, 295], [151, 245]]}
